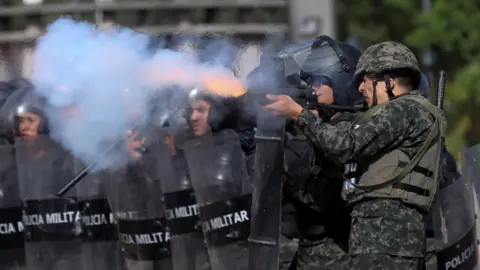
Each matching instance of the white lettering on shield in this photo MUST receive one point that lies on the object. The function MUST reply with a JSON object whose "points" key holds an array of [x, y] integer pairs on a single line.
{"points": [[225, 221], [460, 258]]}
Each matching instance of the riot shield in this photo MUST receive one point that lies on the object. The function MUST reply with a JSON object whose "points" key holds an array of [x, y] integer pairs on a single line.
{"points": [[454, 223], [189, 251], [52, 229], [472, 156], [12, 253], [267, 195], [219, 178], [134, 195], [100, 246]]}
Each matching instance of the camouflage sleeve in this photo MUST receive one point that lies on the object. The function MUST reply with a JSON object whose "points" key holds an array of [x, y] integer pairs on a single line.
{"points": [[385, 130]]}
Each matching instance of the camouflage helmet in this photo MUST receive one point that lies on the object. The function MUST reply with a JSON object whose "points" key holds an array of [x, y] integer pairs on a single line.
{"points": [[387, 56]]}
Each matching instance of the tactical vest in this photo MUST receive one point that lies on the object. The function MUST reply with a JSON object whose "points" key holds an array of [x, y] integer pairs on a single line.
{"points": [[415, 181]]}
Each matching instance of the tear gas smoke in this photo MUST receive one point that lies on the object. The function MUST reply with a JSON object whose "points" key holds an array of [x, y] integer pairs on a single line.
{"points": [[99, 84]]}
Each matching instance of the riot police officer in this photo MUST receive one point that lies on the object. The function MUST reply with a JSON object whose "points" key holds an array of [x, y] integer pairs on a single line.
{"points": [[12, 252], [217, 168], [313, 184]]}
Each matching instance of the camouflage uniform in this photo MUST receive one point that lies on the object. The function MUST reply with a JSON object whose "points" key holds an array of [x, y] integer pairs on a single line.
{"points": [[288, 249], [385, 233]]}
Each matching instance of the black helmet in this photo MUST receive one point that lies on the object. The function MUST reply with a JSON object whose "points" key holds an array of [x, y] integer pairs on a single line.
{"points": [[275, 71], [334, 64], [23, 99], [219, 110]]}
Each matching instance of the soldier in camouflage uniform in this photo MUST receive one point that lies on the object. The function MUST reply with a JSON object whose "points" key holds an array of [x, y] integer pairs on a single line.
{"points": [[313, 183], [397, 144]]}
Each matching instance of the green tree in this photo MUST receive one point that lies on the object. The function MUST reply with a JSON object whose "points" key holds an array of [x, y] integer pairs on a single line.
{"points": [[450, 30]]}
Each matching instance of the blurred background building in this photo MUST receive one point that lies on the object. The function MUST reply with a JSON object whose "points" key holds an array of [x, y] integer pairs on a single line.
{"points": [[22, 21]]}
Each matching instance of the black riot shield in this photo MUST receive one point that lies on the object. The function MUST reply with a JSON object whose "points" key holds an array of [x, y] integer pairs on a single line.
{"points": [[219, 177], [100, 246], [472, 155], [12, 253], [267, 194], [454, 222], [52, 227], [135, 197], [189, 251]]}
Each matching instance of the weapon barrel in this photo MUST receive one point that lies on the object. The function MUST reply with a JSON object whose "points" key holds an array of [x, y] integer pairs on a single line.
{"points": [[85, 171], [303, 96], [356, 108], [441, 90], [78, 177]]}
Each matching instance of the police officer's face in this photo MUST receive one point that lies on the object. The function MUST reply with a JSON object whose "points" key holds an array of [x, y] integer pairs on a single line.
{"points": [[28, 124], [367, 89], [324, 93], [199, 117], [323, 88], [135, 142]]}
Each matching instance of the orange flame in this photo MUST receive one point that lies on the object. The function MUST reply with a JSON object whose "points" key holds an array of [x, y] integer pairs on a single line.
{"points": [[224, 85]]}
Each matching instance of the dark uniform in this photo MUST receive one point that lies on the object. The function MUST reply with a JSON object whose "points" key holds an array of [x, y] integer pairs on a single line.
{"points": [[314, 183], [322, 217], [390, 200]]}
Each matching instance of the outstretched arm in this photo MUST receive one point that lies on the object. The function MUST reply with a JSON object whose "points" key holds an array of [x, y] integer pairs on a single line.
{"points": [[384, 130]]}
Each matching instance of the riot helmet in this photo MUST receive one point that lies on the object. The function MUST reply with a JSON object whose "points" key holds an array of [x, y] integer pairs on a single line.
{"points": [[276, 71], [30, 116], [23, 112], [333, 63], [383, 61], [205, 112]]}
